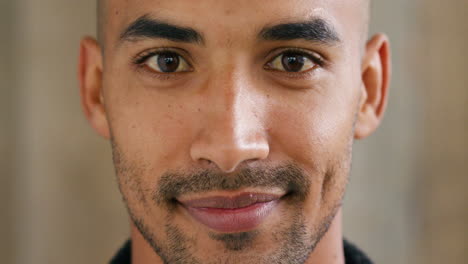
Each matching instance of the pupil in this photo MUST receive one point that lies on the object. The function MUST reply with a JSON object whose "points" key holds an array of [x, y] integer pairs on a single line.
{"points": [[168, 62], [293, 62]]}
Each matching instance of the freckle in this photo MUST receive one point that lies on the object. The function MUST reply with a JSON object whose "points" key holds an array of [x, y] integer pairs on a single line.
{"points": [[199, 109], [169, 105]]}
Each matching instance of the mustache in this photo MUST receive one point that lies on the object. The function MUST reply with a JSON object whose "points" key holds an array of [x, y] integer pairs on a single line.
{"points": [[288, 177]]}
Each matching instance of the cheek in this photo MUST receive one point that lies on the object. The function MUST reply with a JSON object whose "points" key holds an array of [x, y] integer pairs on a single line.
{"points": [[316, 132], [317, 137], [312, 133], [151, 128]]}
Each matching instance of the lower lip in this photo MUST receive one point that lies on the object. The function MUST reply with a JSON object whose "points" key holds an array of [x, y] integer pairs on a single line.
{"points": [[233, 220]]}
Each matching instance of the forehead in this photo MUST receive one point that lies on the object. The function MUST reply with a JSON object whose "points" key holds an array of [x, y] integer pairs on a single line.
{"points": [[229, 19]]}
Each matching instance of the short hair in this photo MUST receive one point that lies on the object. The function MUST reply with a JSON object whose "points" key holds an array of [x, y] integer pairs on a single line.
{"points": [[101, 6]]}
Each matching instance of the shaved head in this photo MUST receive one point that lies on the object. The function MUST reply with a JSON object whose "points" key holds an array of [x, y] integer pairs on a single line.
{"points": [[102, 7]]}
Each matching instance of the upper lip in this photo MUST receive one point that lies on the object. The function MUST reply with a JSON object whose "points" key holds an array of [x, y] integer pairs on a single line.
{"points": [[230, 202]]}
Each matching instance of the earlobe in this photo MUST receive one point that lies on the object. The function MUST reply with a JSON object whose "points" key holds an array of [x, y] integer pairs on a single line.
{"points": [[90, 70], [376, 72]]}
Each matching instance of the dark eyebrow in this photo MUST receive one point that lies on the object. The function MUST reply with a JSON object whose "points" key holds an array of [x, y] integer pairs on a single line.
{"points": [[146, 27], [316, 30]]}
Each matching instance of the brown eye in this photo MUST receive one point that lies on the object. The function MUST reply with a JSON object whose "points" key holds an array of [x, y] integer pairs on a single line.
{"points": [[292, 62], [167, 62]]}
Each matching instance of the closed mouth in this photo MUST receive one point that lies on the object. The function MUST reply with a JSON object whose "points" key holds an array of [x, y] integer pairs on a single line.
{"points": [[228, 214], [230, 202]]}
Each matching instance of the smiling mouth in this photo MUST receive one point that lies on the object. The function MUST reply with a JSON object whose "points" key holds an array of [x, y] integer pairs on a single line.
{"points": [[227, 214]]}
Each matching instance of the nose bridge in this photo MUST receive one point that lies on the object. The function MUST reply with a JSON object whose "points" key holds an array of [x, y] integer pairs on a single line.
{"points": [[232, 93], [236, 120], [232, 132]]}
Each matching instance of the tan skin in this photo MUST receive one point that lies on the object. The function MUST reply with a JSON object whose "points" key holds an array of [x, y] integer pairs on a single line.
{"points": [[232, 108]]}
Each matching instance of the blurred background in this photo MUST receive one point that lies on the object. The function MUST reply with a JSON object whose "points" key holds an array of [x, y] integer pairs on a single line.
{"points": [[407, 201]]}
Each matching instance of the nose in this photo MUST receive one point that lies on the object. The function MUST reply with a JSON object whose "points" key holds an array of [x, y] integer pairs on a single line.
{"points": [[232, 132]]}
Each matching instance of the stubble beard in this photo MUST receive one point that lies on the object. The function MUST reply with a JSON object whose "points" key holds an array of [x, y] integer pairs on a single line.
{"points": [[295, 242]]}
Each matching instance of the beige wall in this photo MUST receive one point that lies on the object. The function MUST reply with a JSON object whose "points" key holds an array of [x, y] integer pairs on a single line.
{"points": [[59, 202], [7, 135], [443, 176]]}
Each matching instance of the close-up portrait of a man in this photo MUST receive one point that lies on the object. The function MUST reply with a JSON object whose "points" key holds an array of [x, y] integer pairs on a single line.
{"points": [[232, 124]]}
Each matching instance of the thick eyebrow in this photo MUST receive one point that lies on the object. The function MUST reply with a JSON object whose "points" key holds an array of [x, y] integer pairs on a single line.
{"points": [[146, 27], [316, 30]]}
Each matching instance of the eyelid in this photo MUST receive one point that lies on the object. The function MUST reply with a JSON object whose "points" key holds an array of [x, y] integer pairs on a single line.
{"points": [[313, 56], [141, 58], [139, 63]]}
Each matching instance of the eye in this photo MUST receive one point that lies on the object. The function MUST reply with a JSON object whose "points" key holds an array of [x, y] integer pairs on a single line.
{"points": [[167, 62], [293, 61]]}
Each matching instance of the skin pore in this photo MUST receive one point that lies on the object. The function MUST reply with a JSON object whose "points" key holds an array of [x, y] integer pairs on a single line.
{"points": [[218, 98]]}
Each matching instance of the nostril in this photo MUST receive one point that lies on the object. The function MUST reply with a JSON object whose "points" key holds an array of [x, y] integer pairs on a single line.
{"points": [[205, 162], [228, 157], [226, 147]]}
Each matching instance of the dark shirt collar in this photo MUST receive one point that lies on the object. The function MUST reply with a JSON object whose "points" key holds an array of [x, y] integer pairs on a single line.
{"points": [[352, 254]]}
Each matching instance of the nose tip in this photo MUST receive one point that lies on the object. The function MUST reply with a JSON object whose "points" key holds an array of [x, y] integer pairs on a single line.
{"points": [[229, 155]]}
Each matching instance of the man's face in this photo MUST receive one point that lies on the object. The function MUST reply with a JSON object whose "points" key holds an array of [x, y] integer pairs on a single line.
{"points": [[232, 133]]}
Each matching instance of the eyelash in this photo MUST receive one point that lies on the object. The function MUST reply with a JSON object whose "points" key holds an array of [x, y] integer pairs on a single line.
{"points": [[140, 62], [317, 59], [140, 59]]}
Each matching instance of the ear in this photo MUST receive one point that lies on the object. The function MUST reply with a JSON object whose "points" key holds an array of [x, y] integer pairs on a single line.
{"points": [[376, 72], [90, 68]]}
